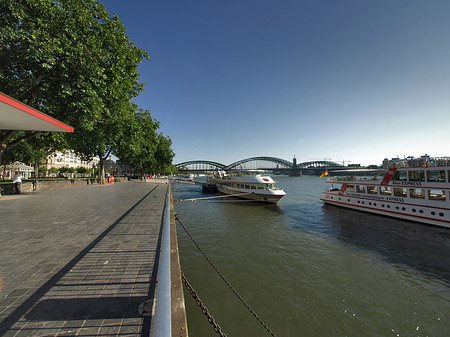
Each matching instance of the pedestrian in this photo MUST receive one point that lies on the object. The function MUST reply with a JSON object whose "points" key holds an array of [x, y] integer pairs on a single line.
{"points": [[17, 181]]}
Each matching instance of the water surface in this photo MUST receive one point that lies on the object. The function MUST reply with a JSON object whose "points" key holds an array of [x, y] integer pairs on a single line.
{"points": [[310, 269]]}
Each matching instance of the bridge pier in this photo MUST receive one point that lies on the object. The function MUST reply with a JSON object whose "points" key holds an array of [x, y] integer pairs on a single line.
{"points": [[295, 172]]}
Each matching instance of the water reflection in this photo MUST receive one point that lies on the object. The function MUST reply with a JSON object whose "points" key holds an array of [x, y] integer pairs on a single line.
{"points": [[422, 247]]}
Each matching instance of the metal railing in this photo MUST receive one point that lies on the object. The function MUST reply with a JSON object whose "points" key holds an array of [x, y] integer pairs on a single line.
{"points": [[163, 311]]}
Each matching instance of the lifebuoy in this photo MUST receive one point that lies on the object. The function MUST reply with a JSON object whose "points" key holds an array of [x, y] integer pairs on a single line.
{"points": [[425, 164]]}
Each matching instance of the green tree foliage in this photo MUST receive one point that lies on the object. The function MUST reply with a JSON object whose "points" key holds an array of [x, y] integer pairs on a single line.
{"points": [[163, 155], [72, 60], [25, 152], [137, 144]]}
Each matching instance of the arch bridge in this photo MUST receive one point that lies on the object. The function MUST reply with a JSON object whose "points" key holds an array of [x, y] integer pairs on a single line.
{"points": [[277, 161], [200, 165], [277, 165]]}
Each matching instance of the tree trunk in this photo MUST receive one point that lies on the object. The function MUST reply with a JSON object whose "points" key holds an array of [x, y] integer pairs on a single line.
{"points": [[101, 170]]}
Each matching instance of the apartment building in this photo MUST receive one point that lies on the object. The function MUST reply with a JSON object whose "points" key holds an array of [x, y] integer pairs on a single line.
{"points": [[68, 159]]}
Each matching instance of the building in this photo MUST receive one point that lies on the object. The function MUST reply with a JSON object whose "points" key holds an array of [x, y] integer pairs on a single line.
{"points": [[68, 159]]}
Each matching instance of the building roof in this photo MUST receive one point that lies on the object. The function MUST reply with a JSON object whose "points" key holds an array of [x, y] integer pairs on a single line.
{"points": [[15, 115]]}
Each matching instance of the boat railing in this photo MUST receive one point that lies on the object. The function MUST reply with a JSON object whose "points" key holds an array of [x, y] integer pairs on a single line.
{"points": [[421, 162]]}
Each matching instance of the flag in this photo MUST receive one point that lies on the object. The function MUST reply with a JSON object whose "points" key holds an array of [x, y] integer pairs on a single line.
{"points": [[324, 173]]}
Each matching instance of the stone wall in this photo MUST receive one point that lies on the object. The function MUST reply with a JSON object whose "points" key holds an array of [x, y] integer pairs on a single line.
{"points": [[48, 185]]}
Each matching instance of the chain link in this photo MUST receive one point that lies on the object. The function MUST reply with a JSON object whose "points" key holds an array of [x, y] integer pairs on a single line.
{"points": [[224, 279], [205, 311]]}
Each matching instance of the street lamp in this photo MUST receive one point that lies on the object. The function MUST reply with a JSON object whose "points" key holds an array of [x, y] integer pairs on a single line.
{"points": [[36, 160]]}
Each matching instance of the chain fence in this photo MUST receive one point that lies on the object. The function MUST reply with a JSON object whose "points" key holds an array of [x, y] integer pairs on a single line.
{"points": [[205, 310], [224, 279]]}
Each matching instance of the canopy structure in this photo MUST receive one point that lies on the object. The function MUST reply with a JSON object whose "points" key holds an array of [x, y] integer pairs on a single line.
{"points": [[7, 171], [15, 115]]}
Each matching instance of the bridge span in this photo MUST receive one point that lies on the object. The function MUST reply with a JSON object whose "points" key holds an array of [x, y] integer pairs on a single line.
{"points": [[277, 165]]}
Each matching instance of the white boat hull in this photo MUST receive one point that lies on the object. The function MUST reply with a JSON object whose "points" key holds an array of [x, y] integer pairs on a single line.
{"points": [[258, 195], [427, 214]]}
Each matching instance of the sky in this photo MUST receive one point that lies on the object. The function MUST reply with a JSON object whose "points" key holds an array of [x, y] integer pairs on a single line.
{"points": [[350, 80]]}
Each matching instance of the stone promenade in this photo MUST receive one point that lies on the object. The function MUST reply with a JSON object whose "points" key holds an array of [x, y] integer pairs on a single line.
{"points": [[79, 261]]}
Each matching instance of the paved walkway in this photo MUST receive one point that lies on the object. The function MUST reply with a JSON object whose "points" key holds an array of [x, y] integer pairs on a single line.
{"points": [[79, 261]]}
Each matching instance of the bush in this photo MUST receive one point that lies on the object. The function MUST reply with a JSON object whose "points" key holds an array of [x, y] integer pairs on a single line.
{"points": [[83, 170]]}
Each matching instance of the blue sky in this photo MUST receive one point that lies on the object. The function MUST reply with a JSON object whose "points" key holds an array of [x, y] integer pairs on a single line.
{"points": [[357, 80]]}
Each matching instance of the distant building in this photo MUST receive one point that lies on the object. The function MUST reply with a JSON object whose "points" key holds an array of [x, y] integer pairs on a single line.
{"points": [[68, 159], [410, 161]]}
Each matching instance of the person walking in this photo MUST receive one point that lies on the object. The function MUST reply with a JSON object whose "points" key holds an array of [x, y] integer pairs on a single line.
{"points": [[17, 181]]}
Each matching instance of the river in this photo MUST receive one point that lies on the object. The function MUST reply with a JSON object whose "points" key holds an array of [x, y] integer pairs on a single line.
{"points": [[309, 269]]}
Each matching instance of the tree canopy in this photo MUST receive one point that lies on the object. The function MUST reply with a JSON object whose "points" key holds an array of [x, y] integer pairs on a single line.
{"points": [[72, 60]]}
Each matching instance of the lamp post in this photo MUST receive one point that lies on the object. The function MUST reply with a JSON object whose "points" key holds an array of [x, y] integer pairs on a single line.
{"points": [[37, 160]]}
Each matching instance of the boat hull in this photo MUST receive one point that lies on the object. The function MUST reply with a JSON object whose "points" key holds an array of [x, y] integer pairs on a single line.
{"points": [[419, 213], [264, 196]]}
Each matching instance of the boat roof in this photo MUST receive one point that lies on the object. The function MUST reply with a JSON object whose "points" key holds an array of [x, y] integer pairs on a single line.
{"points": [[358, 170]]}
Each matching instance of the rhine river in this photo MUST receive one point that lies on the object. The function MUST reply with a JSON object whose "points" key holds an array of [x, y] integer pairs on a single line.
{"points": [[309, 269]]}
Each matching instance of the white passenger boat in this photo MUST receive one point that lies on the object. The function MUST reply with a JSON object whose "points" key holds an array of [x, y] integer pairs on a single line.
{"points": [[413, 189], [248, 184]]}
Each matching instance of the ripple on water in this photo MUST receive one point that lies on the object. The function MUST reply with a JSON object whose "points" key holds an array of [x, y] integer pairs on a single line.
{"points": [[312, 270]]}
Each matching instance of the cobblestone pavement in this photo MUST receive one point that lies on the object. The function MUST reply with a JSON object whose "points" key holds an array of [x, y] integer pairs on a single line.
{"points": [[79, 261]]}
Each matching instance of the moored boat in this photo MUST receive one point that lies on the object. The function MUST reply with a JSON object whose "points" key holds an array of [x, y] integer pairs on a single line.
{"points": [[415, 189], [247, 184]]}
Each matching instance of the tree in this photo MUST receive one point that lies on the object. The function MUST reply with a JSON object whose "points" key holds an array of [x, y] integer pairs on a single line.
{"points": [[163, 155], [137, 145], [71, 60]]}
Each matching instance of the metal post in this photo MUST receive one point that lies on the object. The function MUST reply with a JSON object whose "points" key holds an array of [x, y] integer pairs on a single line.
{"points": [[163, 311]]}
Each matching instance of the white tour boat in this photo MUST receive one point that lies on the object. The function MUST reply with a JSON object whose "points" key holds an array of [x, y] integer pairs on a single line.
{"points": [[248, 184], [413, 189]]}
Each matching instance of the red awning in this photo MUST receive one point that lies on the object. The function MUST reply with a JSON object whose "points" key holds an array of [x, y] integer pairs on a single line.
{"points": [[15, 115]]}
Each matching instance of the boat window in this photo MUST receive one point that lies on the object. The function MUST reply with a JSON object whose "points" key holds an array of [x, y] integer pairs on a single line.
{"points": [[438, 176], [386, 190], [436, 195], [417, 193], [372, 189], [400, 191], [247, 186], [260, 186], [418, 175], [360, 189], [253, 187], [400, 176], [350, 188]]}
